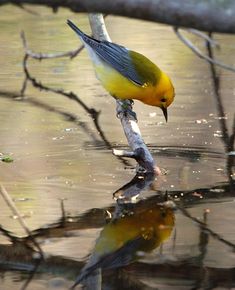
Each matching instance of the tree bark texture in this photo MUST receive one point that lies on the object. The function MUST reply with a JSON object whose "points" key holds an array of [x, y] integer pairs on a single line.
{"points": [[205, 15]]}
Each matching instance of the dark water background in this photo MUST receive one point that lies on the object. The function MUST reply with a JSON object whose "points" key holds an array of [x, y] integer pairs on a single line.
{"points": [[58, 153]]}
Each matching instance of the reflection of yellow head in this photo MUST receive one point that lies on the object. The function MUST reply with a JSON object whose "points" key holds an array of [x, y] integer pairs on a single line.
{"points": [[151, 225]]}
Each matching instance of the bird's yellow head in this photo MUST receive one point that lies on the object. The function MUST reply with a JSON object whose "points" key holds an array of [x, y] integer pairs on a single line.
{"points": [[164, 94]]}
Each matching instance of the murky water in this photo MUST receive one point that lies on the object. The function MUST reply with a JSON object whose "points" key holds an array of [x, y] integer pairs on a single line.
{"points": [[59, 154]]}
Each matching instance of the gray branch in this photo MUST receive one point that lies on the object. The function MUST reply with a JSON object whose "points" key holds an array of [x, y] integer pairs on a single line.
{"points": [[206, 15]]}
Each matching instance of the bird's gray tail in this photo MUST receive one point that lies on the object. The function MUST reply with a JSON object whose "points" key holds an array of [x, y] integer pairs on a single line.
{"points": [[76, 29]]}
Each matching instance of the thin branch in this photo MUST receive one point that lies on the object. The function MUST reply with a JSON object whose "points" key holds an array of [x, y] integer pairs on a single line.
{"points": [[93, 113], [69, 95], [15, 211], [204, 36], [218, 98], [221, 112], [199, 53], [41, 56]]}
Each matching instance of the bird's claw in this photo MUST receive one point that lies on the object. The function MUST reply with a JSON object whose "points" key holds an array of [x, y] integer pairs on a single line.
{"points": [[126, 110]]}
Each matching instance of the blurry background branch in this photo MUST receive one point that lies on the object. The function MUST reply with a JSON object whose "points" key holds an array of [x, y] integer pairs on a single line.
{"points": [[219, 15], [198, 52], [228, 139]]}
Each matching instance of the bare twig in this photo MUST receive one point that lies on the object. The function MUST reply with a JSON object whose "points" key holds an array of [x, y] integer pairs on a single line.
{"points": [[218, 98], [63, 212], [41, 56], [15, 211], [204, 36], [93, 113], [227, 140], [69, 95], [198, 52]]}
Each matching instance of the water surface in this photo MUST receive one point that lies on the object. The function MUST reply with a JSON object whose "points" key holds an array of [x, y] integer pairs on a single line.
{"points": [[58, 153]]}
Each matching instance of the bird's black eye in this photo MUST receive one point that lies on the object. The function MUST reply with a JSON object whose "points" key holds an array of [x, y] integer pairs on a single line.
{"points": [[163, 100]]}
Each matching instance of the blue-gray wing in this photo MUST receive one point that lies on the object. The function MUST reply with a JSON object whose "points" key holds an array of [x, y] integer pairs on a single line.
{"points": [[117, 57]]}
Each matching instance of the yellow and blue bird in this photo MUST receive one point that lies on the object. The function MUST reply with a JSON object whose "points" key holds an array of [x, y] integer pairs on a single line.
{"points": [[128, 237], [127, 74]]}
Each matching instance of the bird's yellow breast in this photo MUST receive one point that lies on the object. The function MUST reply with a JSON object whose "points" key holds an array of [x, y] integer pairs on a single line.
{"points": [[121, 87]]}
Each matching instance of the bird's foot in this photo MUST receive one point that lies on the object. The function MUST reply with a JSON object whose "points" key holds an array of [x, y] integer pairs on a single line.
{"points": [[131, 102], [131, 113], [125, 109]]}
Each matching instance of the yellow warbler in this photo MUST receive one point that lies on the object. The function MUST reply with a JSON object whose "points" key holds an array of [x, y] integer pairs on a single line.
{"points": [[127, 74]]}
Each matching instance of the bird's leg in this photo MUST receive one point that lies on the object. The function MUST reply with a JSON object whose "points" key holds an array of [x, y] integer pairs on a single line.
{"points": [[126, 109]]}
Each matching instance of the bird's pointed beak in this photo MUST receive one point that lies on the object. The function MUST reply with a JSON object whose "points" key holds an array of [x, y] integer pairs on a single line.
{"points": [[164, 110]]}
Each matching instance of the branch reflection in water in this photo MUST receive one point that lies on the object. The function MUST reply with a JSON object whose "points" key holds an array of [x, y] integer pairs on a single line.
{"points": [[135, 228], [131, 230]]}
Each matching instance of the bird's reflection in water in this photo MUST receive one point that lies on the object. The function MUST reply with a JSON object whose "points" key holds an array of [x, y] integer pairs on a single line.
{"points": [[135, 229]]}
